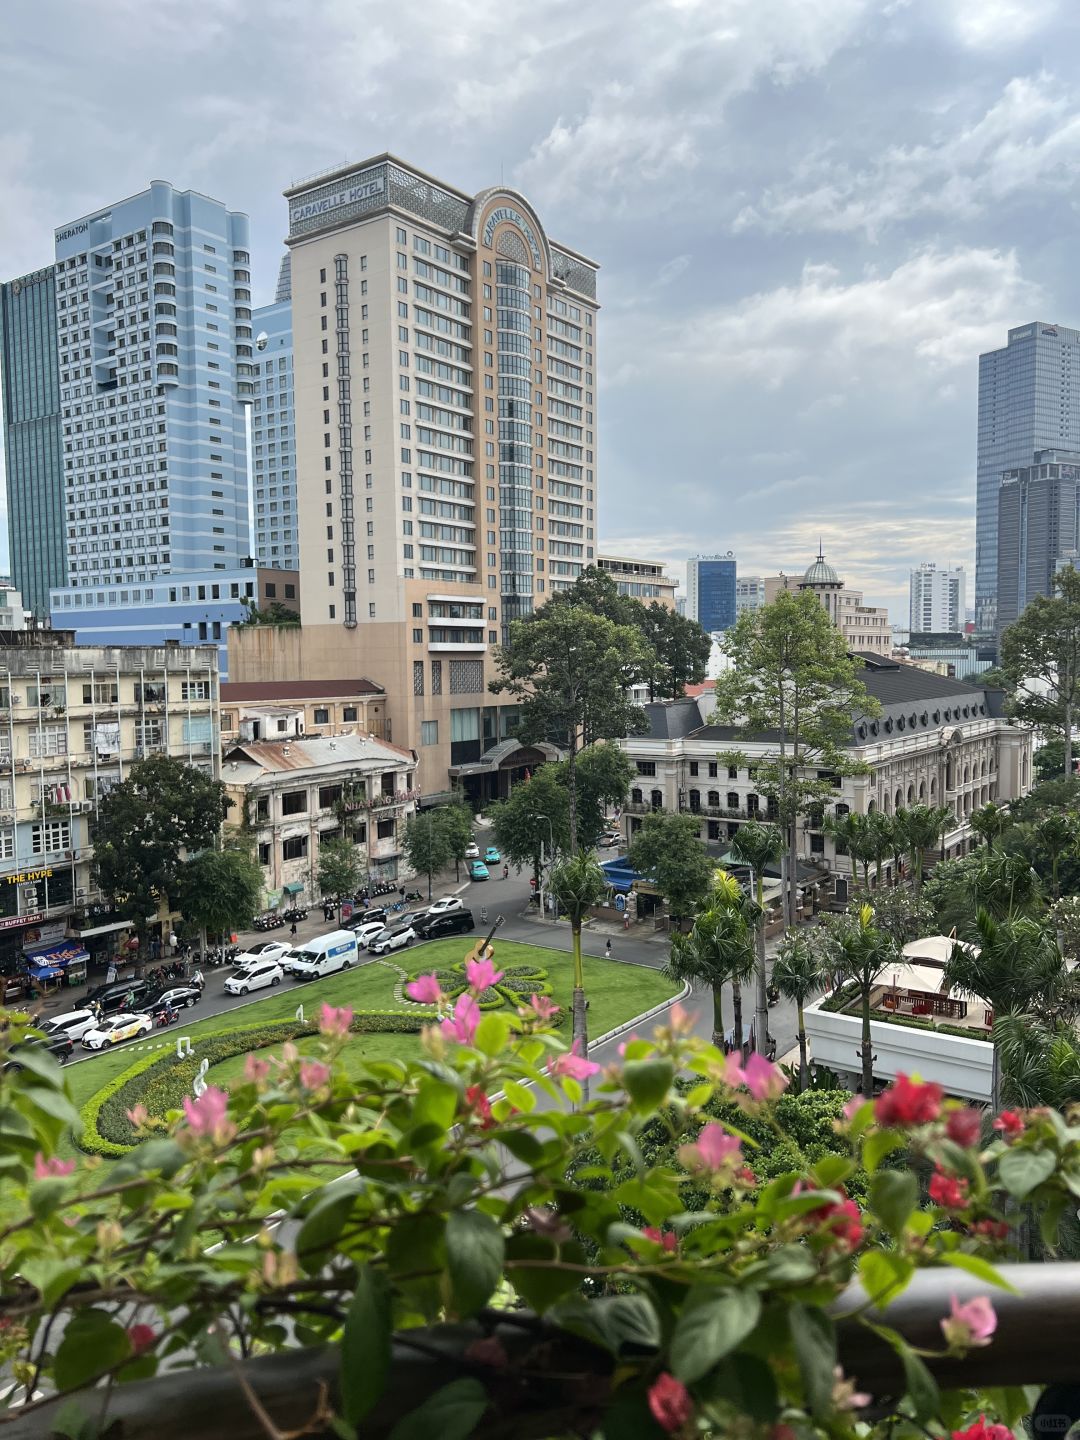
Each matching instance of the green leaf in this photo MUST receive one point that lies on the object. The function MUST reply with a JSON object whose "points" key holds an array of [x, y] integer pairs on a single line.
{"points": [[878, 1145], [436, 1104], [711, 1324], [520, 1097], [791, 1265], [921, 1386], [365, 1345], [542, 1286], [52, 1277], [884, 1274], [92, 1344], [474, 1257], [747, 1384], [648, 1082], [1021, 1171], [320, 1231], [814, 1339], [1050, 1221], [893, 1196], [833, 1170], [53, 1102], [492, 1033], [452, 1413], [980, 1268], [620, 1324]]}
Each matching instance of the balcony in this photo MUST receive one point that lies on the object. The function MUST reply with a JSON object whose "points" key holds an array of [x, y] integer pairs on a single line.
{"points": [[720, 812]]}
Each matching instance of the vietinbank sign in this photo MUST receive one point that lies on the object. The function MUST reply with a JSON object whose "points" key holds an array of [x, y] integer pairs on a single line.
{"points": [[349, 195]]}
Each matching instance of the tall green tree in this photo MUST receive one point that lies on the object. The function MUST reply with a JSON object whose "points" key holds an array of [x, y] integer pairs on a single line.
{"points": [[757, 846], [220, 890], [339, 868], [604, 776], [570, 671], [456, 823], [797, 975], [851, 836], [854, 948], [578, 883], [719, 951], [534, 818], [1040, 657], [921, 827], [667, 850], [1039, 1062], [1057, 833], [427, 846], [791, 676], [990, 821], [161, 813], [902, 914]]}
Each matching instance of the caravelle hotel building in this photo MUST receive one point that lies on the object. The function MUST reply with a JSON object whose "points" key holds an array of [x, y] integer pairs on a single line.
{"points": [[445, 408]]}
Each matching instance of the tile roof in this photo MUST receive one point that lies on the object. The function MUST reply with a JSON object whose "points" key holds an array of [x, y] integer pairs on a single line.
{"points": [[237, 690], [314, 752]]}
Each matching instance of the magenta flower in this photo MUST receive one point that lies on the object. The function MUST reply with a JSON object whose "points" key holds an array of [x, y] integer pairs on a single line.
{"points": [[481, 974], [573, 1065], [970, 1324], [670, 1403], [138, 1116], [425, 990], [314, 1074], [545, 1008], [334, 1021], [716, 1147], [141, 1337], [208, 1115], [733, 1071], [763, 1079], [54, 1166], [255, 1070], [461, 1026]]}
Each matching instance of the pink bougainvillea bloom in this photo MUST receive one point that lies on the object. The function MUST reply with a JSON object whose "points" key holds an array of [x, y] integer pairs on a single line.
{"points": [[628, 1041], [208, 1114], [425, 990], [481, 974], [680, 1021], [716, 1147], [734, 1075], [314, 1074], [980, 1430], [335, 1021], [53, 1167], [573, 1064], [763, 1079], [964, 1126], [141, 1337], [255, 1070], [670, 1403], [947, 1190], [461, 1026], [844, 1394], [853, 1106], [477, 1101], [970, 1324], [138, 1116], [666, 1238], [908, 1102], [544, 1007], [1010, 1124]]}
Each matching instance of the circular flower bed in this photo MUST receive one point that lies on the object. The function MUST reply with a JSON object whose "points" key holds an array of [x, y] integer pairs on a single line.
{"points": [[513, 988]]}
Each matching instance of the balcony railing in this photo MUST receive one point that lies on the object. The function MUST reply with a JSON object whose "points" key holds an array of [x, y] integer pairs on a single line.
{"points": [[1034, 1344]]}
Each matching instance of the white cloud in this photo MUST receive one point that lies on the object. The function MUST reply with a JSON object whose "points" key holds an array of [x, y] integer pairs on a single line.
{"points": [[933, 312], [1026, 143], [997, 24]]}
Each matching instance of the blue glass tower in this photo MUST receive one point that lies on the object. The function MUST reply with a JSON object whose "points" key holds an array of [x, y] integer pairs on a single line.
{"points": [[710, 591], [33, 436]]}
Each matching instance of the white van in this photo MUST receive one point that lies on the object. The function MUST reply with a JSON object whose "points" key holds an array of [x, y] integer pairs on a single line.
{"points": [[324, 955]]}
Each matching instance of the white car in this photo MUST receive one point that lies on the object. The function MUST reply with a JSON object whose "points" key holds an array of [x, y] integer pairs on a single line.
{"points": [[263, 950], [114, 1029], [395, 939], [443, 906], [366, 933], [472, 851], [268, 972], [76, 1023]]}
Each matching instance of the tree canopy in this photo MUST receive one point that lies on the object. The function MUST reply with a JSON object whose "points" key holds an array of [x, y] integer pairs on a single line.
{"points": [[220, 890], [668, 851], [1040, 657], [340, 871]]}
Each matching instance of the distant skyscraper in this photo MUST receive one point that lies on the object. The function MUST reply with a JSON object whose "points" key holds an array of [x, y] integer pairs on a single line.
{"points": [[33, 436], [1038, 509], [1027, 403], [937, 599], [273, 439], [710, 590], [284, 279], [749, 592]]}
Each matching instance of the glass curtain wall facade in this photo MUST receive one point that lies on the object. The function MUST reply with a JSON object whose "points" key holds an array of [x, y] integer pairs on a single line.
{"points": [[33, 436], [513, 297], [273, 443]]}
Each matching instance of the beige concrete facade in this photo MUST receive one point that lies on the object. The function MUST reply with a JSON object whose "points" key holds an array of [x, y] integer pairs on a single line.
{"points": [[864, 627], [444, 370], [642, 580]]}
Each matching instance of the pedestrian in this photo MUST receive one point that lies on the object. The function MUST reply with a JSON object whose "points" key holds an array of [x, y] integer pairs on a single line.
{"points": [[292, 929], [626, 920], [506, 872], [401, 892], [607, 950]]}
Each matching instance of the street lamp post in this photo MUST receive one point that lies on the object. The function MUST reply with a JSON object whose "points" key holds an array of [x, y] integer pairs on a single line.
{"points": [[535, 815]]}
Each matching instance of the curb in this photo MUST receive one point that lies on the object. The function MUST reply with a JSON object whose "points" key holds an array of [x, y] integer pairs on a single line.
{"points": [[646, 1015]]}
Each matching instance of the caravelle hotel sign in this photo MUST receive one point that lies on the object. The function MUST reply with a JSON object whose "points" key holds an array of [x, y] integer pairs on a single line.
{"points": [[362, 189]]}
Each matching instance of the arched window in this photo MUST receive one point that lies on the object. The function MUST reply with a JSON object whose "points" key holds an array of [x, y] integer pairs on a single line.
{"points": [[933, 789], [635, 797], [870, 808], [732, 800], [922, 792], [656, 799], [695, 799], [714, 797], [842, 810], [899, 800], [910, 794]]}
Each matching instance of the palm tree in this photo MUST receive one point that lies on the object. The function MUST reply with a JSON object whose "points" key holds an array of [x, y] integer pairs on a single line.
{"points": [[1014, 965], [1006, 885], [880, 839], [719, 950], [1057, 833], [921, 827], [859, 951], [578, 883], [759, 845], [797, 975], [849, 833], [990, 822], [1040, 1062]]}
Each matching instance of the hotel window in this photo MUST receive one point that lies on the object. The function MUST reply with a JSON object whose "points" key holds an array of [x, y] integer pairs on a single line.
{"points": [[429, 732]]}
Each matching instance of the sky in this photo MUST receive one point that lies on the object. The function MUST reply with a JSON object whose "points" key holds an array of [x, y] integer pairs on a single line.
{"points": [[811, 215]]}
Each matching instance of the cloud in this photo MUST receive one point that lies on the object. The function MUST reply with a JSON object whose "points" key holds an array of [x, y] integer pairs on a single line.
{"points": [[1025, 144], [998, 24], [933, 312]]}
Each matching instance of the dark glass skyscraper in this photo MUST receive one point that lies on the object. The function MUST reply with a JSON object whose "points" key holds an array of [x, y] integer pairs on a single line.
{"points": [[33, 436], [1028, 402], [710, 590]]}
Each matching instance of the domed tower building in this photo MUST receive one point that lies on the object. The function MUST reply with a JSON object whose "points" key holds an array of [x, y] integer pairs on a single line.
{"points": [[864, 627]]}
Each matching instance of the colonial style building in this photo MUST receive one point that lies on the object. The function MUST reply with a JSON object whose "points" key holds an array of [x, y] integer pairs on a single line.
{"points": [[295, 795], [937, 741]]}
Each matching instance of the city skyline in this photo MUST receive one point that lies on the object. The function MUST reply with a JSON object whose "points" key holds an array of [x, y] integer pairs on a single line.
{"points": [[822, 287]]}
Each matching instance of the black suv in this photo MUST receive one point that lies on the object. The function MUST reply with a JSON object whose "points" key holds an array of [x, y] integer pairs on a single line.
{"points": [[453, 922], [60, 1045], [355, 920], [114, 997]]}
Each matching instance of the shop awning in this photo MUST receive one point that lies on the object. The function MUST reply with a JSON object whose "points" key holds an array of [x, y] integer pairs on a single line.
{"points": [[40, 971], [294, 887], [58, 957]]}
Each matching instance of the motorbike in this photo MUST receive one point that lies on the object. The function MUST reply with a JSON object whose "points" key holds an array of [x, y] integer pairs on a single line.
{"points": [[165, 1017], [772, 995], [413, 897], [295, 914]]}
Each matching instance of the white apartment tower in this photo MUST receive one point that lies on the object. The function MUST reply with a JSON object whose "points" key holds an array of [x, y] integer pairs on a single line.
{"points": [[937, 599]]}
